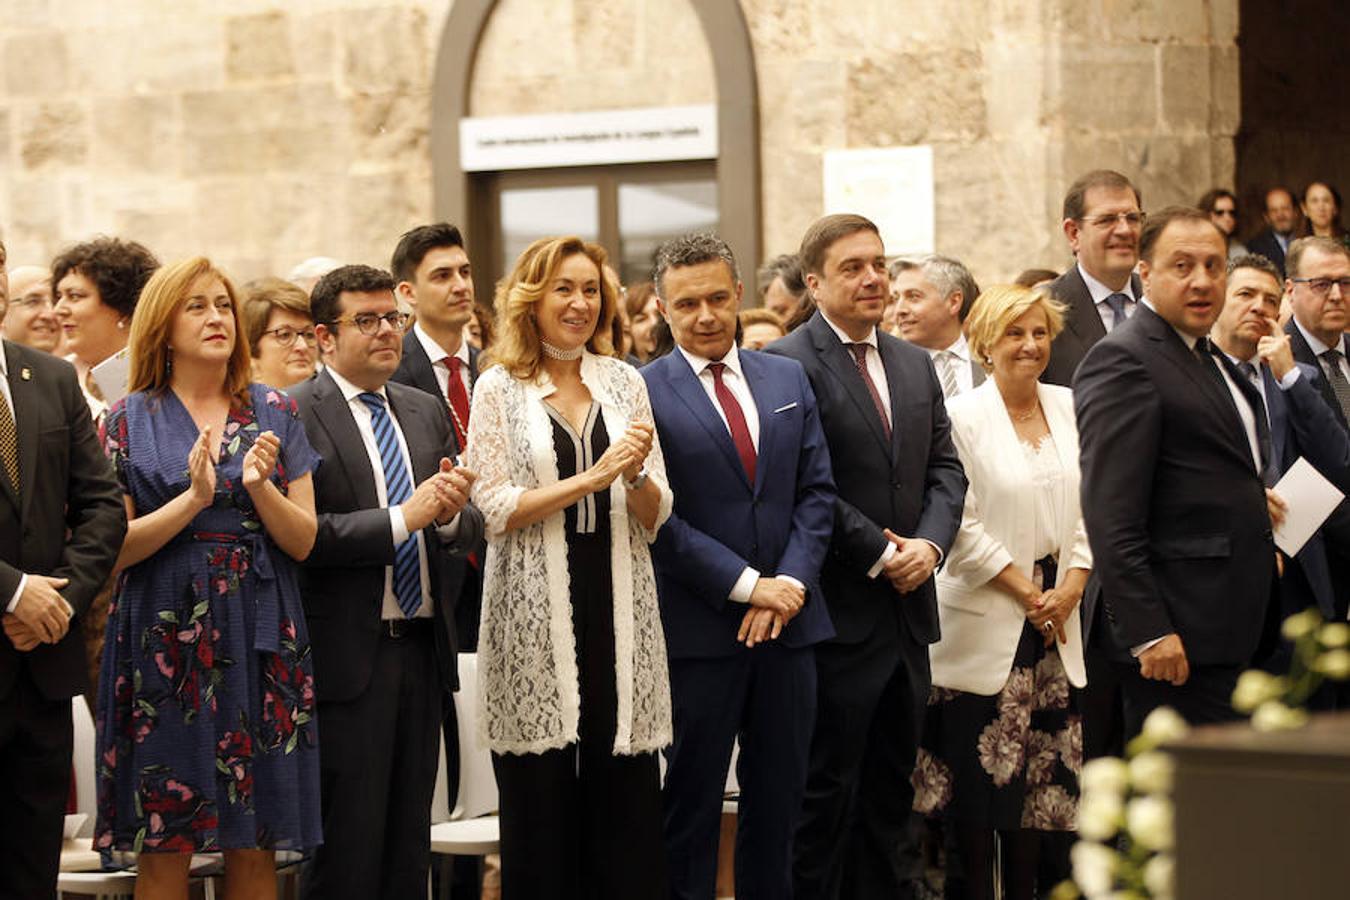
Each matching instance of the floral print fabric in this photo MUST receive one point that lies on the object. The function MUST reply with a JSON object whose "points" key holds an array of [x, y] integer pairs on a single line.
{"points": [[206, 731], [1007, 761]]}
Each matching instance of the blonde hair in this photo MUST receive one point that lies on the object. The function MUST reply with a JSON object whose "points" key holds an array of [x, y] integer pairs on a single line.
{"points": [[1000, 306], [161, 299], [516, 347]]}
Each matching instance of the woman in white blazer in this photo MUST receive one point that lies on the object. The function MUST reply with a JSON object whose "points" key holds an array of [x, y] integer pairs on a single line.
{"points": [[572, 665], [1003, 741]]}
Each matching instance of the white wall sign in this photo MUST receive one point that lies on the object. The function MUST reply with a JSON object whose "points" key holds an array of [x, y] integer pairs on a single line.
{"points": [[893, 187], [649, 134]]}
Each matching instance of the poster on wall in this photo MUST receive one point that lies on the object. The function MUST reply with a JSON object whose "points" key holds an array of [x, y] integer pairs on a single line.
{"points": [[892, 186]]}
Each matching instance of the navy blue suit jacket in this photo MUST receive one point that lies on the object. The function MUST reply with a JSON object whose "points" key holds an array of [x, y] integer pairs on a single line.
{"points": [[1302, 425], [721, 523]]}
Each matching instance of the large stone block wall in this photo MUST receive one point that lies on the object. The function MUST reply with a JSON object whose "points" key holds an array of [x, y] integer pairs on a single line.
{"points": [[262, 132]]}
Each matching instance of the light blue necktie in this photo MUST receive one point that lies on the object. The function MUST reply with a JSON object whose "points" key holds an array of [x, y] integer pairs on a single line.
{"points": [[397, 488], [1118, 315]]}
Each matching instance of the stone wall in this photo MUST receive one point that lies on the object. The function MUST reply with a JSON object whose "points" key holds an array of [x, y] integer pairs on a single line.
{"points": [[264, 132]]}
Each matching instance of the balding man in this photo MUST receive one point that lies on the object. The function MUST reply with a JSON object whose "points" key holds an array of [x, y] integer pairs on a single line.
{"points": [[31, 318]]}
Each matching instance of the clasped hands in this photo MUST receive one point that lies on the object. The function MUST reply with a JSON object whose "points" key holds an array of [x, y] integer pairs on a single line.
{"points": [[1048, 610], [439, 498], [42, 616], [773, 603], [623, 457], [911, 564]]}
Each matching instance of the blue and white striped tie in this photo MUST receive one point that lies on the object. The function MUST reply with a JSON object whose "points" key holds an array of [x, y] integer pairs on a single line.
{"points": [[398, 488]]}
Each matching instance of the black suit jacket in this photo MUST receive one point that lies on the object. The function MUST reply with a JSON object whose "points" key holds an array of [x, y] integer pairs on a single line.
{"points": [[342, 581], [1268, 246], [913, 485], [1174, 507], [67, 485], [415, 369], [1082, 325]]}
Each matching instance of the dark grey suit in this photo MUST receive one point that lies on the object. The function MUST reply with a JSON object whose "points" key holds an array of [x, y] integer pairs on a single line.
{"points": [[66, 520], [1082, 325]]}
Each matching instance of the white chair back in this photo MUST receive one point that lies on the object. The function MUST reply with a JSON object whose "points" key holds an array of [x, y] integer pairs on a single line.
{"points": [[85, 762], [477, 783]]}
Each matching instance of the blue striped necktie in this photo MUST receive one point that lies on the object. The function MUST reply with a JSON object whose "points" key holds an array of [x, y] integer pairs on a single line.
{"points": [[397, 488]]}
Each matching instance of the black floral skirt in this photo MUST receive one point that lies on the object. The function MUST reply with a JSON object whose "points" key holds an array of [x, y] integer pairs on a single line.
{"points": [[1008, 761]]}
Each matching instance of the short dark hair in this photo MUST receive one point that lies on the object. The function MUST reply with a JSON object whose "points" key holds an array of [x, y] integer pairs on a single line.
{"points": [[691, 250], [822, 234], [1212, 196], [786, 266], [414, 245], [323, 300], [1255, 261], [1157, 223], [118, 268], [1075, 206]]}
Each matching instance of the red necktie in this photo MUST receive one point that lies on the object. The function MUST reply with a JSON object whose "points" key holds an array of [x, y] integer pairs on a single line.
{"points": [[740, 434], [459, 401], [860, 359]]}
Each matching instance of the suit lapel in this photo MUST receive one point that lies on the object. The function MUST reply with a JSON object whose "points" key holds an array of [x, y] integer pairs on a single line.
{"points": [[413, 427], [895, 386], [761, 388], [24, 423], [421, 371], [685, 384], [838, 360], [334, 415], [977, 374], [1083, 318], [1278, 413]]}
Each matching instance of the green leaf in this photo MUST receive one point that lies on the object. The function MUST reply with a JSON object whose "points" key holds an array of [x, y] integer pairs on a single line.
{"points": [[200, 610], [168, 615], [139, 843], [292, 741], [221, 767]]}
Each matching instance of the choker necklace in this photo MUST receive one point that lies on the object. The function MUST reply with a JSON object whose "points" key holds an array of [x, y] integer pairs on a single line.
{"points": [[553, 352], [1026, 416]]}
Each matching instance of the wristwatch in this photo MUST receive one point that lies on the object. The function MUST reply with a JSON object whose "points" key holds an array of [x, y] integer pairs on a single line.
{"points": [[637, 482]]}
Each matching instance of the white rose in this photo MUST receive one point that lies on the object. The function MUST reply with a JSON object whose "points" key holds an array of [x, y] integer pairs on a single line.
{"points": [[1094, 868], [1255, 687], [1334, 634], [1100, 815], [1150, 822], [1301, 624], [1104, 775], [1275, 716], [1334, 664], [1165, 724], [1160, 876], [1151, 772]]}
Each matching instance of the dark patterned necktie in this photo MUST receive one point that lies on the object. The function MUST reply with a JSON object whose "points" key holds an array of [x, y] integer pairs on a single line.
{"points": [[1336, 378], [9, 444], [859, 351]]}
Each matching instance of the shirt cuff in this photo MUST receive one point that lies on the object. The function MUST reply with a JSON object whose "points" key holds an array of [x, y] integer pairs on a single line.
{"points": [[1289, 378], [744, 586], [1140, 648], [882, 560], [18, 592], [397, 525], [449, 530]]}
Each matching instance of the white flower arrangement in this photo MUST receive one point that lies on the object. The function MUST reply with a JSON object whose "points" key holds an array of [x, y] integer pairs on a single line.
{"points": [[1275, 703]]}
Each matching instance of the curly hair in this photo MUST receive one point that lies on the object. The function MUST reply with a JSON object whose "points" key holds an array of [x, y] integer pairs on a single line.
{"points": [[118, 268]]}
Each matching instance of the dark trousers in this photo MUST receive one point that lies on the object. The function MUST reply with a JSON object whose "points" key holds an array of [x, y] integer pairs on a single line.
{"points": [[856, 839], [1101, 701], [766, 696], [36, 736], [1206, 697], [378, 769]]}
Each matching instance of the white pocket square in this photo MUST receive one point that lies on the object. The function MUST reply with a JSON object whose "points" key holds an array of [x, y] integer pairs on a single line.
{"points": [[784, 408]]}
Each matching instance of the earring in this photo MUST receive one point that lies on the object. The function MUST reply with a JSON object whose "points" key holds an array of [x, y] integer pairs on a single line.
{"points": [[122, 324]]}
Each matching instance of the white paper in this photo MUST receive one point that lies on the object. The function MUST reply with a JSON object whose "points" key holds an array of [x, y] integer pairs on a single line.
{"points": [[892, 186], [1311, 499], [111, 376]]}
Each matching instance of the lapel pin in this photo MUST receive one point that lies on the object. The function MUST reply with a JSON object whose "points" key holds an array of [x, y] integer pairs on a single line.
{"points": [[26, 373]]}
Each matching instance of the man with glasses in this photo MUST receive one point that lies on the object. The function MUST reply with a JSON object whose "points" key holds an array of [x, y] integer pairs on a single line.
{"points": [[31, 319], [379, 589], [1282, 219]]}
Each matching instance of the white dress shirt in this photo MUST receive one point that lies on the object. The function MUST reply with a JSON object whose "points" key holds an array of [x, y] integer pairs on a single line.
{"points": [[397, 527], [436, 353], [877, 370], [1100, 292], [1318, 348], [734, 380], [965, 374]]}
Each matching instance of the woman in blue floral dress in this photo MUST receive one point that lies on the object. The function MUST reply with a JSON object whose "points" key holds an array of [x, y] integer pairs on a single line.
{"points": [[206, 732]]}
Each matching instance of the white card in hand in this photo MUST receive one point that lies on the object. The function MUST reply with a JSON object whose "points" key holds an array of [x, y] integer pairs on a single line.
{"points": [[112, 374], [1311, 499]]}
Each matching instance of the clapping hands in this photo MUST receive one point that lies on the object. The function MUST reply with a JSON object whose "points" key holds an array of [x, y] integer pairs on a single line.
{"points": [[439, 498], [624, 457]]}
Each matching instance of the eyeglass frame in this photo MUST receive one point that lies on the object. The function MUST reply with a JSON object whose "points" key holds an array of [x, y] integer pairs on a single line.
{"points": [[1110, 220], [311, 336], [396, 319], [1312, 283]]}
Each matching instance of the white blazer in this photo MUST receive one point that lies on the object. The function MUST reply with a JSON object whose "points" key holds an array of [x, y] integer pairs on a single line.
{"points": [[982, 623]]}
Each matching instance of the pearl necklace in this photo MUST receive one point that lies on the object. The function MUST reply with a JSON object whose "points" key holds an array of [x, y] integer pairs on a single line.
{"points": [[553, 352]]}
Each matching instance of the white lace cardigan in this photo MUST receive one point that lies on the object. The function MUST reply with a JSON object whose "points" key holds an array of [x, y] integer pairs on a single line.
{"points": [[527, 686]]}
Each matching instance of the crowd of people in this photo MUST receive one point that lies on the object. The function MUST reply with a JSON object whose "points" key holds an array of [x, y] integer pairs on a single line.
{"points": [[918, 550]]}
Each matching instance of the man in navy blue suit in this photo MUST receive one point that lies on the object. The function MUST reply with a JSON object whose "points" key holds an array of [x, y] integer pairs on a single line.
{"points": [[1301, 424], [737, 567]]}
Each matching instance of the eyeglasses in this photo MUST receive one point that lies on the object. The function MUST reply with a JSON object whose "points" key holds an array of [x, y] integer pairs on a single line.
{"points": [[369, 323], [1322, 286], [1132, 219], [32, 302], [286, 335]]}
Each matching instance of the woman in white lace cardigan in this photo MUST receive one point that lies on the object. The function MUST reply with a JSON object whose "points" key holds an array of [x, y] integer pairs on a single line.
{"points": [[573, 680]]}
